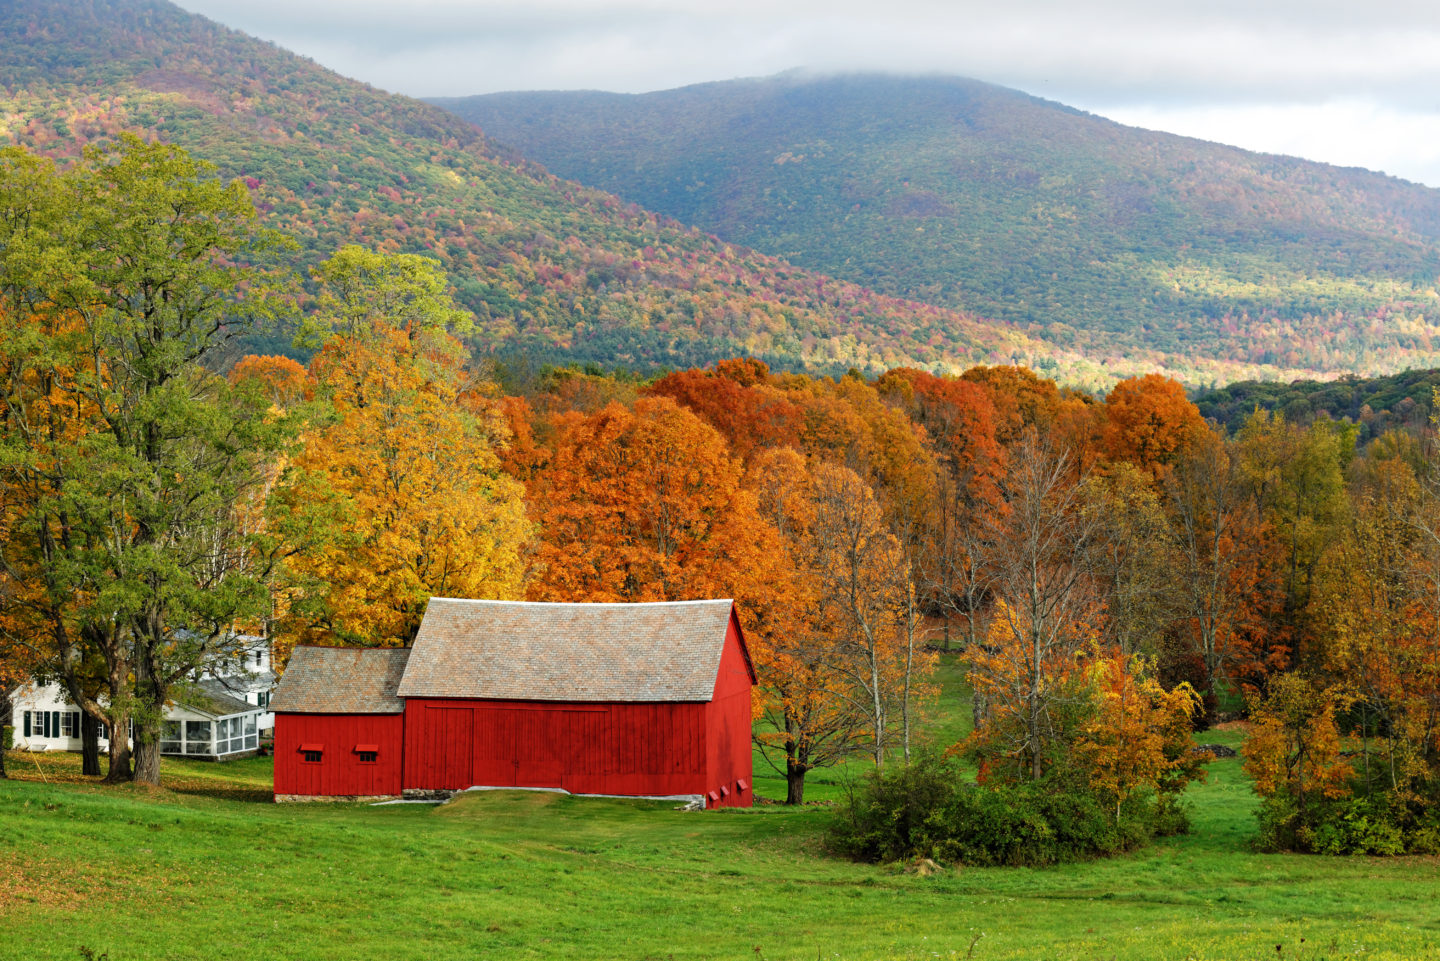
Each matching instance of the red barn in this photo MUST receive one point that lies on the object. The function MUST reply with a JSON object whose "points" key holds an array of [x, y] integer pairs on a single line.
{"points": [[339, 725], [628, 699]]}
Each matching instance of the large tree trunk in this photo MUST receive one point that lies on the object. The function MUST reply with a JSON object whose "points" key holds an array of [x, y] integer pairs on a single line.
{"points": [[797, 763], [6, 717], [119, 772], [147, 754], [795, 772], [89, 745], [151, 695]]}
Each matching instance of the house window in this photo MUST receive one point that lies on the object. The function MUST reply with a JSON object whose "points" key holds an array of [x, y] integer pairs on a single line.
{"points": [[312, 753], [70, 724]]}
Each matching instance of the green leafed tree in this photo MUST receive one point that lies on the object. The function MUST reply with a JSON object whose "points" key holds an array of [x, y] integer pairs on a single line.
{"points": [[133, 474]]}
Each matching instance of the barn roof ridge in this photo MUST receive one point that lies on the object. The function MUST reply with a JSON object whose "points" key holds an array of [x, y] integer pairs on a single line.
{"points": [[597, 652]]}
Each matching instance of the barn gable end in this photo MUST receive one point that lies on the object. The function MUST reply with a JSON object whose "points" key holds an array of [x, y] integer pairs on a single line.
{"points": [[339, 725]]}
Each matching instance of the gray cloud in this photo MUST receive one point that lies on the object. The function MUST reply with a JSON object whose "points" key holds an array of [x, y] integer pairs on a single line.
{"points": [[1374, 64]]}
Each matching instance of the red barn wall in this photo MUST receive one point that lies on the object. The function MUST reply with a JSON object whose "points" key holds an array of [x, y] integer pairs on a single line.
{"points": [[340, 771], [584, 748], [729, 758]]}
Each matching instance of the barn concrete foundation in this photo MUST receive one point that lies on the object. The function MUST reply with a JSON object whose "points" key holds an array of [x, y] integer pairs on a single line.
{"points": [[353, 798]]}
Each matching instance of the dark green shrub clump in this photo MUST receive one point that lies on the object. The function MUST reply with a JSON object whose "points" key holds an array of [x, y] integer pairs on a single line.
{"points": [[930, 809], [1379, 824]]}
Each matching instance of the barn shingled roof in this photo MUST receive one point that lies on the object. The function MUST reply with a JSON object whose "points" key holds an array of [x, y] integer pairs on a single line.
{"points": [[516, 650], [341, 680]]}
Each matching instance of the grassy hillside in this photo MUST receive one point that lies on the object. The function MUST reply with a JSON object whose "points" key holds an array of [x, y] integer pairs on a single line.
{"points": [[1104, 239], [209, 862], [552, 269]]}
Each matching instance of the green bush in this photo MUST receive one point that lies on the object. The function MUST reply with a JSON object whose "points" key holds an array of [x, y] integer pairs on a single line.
{"points": [[1359, 826], [1379, 824], [930, 809], [7, 737]]}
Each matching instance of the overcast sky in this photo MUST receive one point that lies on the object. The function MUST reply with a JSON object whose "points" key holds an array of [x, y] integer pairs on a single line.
{"points": [[1343, 81]]}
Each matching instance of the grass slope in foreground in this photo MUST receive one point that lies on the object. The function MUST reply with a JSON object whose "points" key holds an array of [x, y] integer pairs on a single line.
{"points": [[210, 869]]}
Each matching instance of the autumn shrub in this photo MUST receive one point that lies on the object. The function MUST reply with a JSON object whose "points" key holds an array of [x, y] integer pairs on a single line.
{"points": [[928, 808], [1318, 798]]}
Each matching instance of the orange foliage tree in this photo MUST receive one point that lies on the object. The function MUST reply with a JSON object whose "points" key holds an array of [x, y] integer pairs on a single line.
{"points": [[1229, 593], [644, 503], [809, 717], [738, 400], [958, 418], [285, 382], [1149, 421], [1293, 754]]}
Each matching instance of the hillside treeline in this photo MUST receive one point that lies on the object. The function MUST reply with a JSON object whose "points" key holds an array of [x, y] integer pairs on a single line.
{"points": [[1115, 571], [1374, 404]]}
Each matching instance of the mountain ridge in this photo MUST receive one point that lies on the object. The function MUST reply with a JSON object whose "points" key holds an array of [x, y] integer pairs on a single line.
{"points": [[552, 269], [1102, 238]]}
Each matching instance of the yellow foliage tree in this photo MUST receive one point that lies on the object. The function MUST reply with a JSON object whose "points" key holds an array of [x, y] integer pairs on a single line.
{"points": [[1138, 735], [399, 496]]}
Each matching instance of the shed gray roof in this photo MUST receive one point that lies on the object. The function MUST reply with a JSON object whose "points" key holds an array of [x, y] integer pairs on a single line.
{"points": [[341, 680], [215, 699], [514, 650]]}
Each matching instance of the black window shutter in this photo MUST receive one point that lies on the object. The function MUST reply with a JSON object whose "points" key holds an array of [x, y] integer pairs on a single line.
{"points": [[74, 723], [44, 723], [54, 723], [27, 722]]}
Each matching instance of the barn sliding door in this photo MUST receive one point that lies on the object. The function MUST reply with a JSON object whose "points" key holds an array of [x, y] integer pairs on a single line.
{"points": [[448, 748], [497, 745], [527, 746]]}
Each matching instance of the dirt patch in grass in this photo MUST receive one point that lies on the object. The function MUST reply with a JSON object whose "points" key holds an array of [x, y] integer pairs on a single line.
{"points": [[224, 790], [54, 768], [26, 882], [192, 778]]}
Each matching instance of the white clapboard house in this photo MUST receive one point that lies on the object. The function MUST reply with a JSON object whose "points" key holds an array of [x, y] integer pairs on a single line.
{"points": [[218, 716]]}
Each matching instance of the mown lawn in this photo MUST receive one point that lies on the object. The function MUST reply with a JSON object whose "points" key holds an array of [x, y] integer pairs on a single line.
{"points": [[208, 869]]}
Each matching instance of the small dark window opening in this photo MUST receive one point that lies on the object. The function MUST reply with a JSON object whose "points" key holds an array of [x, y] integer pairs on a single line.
{"points": [[312, 757], [369, 757]]}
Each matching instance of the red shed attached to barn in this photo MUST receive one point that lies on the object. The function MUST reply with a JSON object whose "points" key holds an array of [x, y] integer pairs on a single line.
{"points": [[630, 699], [339, 724]]}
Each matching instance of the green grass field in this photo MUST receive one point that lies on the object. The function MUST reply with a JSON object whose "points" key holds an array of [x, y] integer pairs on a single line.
{"points": [[209, 869]]}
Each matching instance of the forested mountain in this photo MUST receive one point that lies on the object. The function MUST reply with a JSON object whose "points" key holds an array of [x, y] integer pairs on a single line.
{"points": [[1375, 405], [1105, 239], [551, 268]]}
